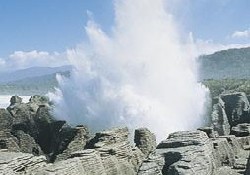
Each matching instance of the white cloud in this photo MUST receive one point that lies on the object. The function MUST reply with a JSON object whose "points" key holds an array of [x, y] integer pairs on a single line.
{"points": [[206, 47], [22, 59], [2, 62], [241, 34]]}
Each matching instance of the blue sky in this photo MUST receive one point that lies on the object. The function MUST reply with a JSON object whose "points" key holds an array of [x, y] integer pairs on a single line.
{"points": [[50, 25], [55, 25]]}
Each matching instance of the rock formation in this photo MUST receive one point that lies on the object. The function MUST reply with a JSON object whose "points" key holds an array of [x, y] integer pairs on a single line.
{"points": [[32, 141], [145, 141]]}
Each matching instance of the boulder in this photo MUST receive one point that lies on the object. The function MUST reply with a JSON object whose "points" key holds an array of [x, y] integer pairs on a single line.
{"points": [[145, 141]]}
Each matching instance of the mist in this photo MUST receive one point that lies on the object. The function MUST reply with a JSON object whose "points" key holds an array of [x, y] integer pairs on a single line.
{"points": [[142, 74]]}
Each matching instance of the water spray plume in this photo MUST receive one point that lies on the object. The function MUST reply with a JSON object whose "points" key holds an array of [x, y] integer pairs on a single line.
{"points": [[141, 75]]}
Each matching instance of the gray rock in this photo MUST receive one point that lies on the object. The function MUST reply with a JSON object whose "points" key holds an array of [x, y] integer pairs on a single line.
{"points": [[20, 163], [226, 171], [236, 107], [6, 120], [209, 131], [27, 143], [188, 152], [244, 141], [8, 142], [219, 120], [77, 143], [241, 130], [83, 162], [153, 165], [223, 153], [183, 139], [116, 152], [15, 100], [145, 141]]}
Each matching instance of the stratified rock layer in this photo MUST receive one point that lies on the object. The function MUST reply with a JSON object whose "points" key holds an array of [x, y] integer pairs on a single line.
{"points": [[33, 142]]}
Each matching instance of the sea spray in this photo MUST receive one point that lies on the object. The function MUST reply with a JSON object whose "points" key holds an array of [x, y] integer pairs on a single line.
{"points": [[140, 75]]}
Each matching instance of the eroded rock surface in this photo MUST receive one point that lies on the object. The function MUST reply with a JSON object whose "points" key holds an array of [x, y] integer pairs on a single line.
{"points": [[145, 140], [32, 141]]}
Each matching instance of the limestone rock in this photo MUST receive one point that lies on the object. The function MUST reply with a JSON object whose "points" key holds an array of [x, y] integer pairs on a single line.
{"points": [[27, 144], [77, 143], [15, 100], [8, 142], [223, 153], [83, 162], [226, 171], [209, 131], [116, 152], [152, 166], [236, 107], [219, 118], [145, 140], [182, 139], [241, 130], [6, 120], [187, 152], [20, 163]]}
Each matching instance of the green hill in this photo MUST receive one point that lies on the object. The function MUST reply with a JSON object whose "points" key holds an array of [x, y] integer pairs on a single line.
{"points": [[39, 85], [226, 64]]}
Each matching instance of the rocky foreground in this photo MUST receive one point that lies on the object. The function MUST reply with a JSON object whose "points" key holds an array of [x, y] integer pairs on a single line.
{"points": [[33, 142]]}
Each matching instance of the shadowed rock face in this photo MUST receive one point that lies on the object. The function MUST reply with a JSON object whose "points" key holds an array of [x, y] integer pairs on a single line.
{"points": [[236, 107], [145, 141], [30, 128]]}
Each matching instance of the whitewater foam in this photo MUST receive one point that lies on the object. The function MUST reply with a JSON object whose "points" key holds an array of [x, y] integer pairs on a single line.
{"points": [[141, 75]]}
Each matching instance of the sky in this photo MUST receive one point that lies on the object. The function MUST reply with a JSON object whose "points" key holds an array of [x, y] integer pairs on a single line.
{"points": [[46, 29]]}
